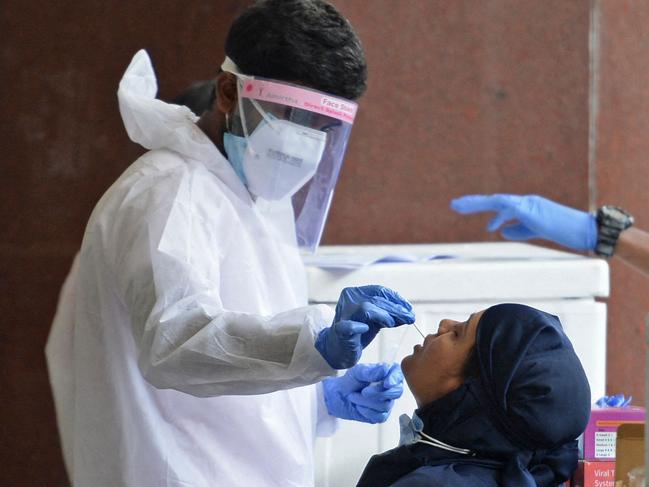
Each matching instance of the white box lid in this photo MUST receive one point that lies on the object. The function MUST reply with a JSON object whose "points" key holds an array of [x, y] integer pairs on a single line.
{"points": [[501, 271]]}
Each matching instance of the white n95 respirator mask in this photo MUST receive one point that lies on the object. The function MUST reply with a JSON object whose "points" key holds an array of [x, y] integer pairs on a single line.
{"points": [[280, 157]]}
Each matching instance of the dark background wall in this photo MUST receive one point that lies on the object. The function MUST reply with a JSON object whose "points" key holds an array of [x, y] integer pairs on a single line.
{"points": [[466, 96]]}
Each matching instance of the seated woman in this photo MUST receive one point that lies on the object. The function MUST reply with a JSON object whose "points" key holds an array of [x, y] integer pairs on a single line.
{"points": [[501, 400]]}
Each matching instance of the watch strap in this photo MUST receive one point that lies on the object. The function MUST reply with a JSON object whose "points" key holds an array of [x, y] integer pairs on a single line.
{"points": [[611, 221]]}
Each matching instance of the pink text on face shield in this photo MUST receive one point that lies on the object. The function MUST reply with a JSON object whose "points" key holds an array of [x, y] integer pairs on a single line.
{"points": [[297, 97]]}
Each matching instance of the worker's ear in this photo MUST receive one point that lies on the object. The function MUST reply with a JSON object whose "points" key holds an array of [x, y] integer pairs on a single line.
{"points": [[226, 92]]}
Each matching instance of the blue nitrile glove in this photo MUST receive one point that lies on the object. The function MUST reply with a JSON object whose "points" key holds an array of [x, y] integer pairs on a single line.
{"points": [[533, 216], [360, 313], [616, 401], [365, 393]]}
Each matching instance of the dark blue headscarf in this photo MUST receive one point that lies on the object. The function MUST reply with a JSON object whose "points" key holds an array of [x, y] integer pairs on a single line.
{"points": [[520, 415]]}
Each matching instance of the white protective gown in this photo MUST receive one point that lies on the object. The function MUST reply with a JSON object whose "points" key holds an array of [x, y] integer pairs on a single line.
{"points": [[182, 351]]}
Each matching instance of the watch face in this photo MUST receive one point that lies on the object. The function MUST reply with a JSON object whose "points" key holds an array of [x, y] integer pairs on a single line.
{"points": [[616, 213], [612, 216]]}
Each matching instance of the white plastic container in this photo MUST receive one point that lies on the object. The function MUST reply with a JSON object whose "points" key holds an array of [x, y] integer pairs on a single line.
{"points": [[469, 278]]}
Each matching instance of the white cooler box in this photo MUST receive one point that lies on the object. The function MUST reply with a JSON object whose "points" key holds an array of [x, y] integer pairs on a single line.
{"points": [[452, 281]]}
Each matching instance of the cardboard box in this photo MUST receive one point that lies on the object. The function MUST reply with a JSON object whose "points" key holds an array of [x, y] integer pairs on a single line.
{"points": [[629, 464], [594, 474], [598, 441]]}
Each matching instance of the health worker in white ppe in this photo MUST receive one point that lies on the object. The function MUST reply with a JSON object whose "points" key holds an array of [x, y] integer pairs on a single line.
{"points": [[183, 351]]}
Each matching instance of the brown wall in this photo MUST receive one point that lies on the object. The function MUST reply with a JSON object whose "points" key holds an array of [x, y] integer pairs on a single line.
{"points": [[467, 96], [622, 172]]}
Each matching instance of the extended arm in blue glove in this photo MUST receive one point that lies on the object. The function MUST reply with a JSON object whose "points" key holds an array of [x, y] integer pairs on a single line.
{"points": [[365, 393], [360, 313], [531, 216]]}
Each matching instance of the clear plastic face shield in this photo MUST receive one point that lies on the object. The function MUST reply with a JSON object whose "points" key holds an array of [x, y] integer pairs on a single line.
{"points": [[291, 144]]}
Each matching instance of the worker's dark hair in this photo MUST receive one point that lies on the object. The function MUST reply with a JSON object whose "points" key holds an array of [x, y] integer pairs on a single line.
{"points": [[198, 97], [304, 41]]}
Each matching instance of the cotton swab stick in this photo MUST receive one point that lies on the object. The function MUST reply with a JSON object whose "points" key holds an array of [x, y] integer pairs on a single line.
{"points": [[416, 328]]}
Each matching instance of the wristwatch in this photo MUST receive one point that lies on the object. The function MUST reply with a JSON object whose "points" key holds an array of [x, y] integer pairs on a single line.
{"points": [[611, 221]]}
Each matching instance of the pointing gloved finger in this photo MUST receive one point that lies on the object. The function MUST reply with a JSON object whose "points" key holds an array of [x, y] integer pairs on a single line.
{"points": [[348, 328], [476, 203], [518, 231]]}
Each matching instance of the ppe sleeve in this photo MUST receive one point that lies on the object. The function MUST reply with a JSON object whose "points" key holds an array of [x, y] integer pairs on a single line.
{"points": [[167, 273]]}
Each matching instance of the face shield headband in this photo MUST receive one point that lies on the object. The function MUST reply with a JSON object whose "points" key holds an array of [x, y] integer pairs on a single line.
{"points": [[291, 143]]}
